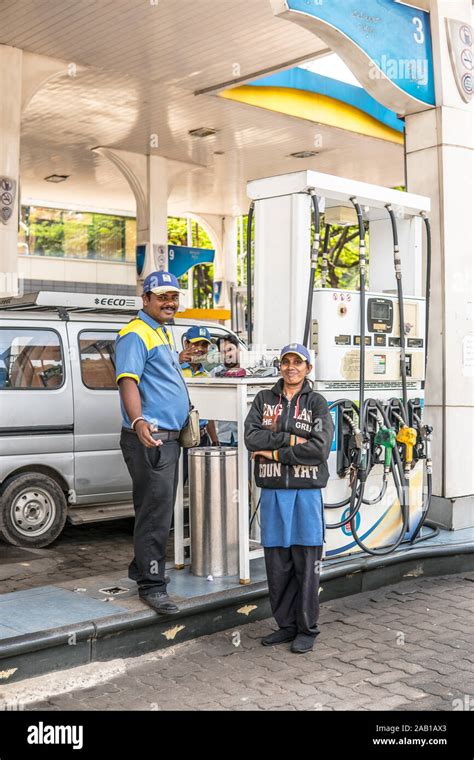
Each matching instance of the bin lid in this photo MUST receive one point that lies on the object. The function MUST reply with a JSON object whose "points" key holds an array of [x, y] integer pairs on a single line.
{"points": [[212, 451]]}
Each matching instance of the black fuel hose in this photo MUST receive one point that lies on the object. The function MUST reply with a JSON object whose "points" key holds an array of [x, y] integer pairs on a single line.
{"points": [[395, 453], [401, 486], [345, 502], [249, 275], [429, 481], [382, 490], [344, 401], [429, 478], [324, 263], [398, 474], [425, 508], [314, 264], [362, 303], [428, 281], [401, 314], [396, 544], [395, 406], [339, 402], [435, 531], [355, 501]]}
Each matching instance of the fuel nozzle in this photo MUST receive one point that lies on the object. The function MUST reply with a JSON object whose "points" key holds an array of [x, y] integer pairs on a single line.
{"points": [[407, 436], [386, 437], [363, 445], [425, 434]]}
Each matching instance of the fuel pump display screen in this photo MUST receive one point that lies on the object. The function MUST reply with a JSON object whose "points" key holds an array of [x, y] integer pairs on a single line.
{"points": [[380, 311], [379, 315]]}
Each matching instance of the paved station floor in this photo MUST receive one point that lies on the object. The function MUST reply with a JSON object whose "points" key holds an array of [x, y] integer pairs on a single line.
{"points": [[407, 646]]}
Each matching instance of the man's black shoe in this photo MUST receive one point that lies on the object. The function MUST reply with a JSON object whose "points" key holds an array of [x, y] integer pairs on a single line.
{"points": [[302, 644], [160, 602], [278, 637]]}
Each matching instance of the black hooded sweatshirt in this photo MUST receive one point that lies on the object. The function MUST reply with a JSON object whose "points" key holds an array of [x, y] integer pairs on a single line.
{"points": [[273, 423]]}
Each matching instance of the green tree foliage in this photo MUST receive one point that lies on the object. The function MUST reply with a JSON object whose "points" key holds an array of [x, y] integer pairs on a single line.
{"points": [[52, 232], [105, 237], [203, 280], [45, 235], [49, 237], [343, 257], [177, 231], [242, 270]]}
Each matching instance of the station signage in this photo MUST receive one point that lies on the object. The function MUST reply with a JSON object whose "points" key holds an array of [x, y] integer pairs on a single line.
{"points": [[7, 198], [386, 44], [460, 50]]}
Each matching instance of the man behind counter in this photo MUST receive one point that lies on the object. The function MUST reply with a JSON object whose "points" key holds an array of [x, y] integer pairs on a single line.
{"points": [[229, 348], [196, 347]]}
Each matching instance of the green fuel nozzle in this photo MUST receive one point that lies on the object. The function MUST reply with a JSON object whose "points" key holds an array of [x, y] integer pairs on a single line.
{"points": [[386, 437]]}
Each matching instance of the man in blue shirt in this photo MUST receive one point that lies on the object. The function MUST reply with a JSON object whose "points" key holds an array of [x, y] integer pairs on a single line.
{"points": [[155, 407]]}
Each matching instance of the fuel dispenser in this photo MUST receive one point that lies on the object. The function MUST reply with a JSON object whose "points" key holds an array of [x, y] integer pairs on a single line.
{"points": [[370, 345]]}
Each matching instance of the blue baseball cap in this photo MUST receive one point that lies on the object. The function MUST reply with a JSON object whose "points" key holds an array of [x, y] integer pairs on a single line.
{"points": [[196, 333], [160, 282], [298, 349]]}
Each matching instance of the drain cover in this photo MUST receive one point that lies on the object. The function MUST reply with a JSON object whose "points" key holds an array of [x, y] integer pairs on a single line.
{"points": [[114, 590]]}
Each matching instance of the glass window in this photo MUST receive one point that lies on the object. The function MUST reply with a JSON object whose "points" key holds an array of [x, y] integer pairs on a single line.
{"points": [[97, 355], [76, 234], [30, 359]]}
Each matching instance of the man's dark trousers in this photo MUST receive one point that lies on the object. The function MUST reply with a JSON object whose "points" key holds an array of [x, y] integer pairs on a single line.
{"points": [[154, 474], [293, 585]]}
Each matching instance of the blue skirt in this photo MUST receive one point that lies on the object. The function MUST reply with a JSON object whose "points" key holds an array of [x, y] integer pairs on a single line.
{"points": [[290, 517]]}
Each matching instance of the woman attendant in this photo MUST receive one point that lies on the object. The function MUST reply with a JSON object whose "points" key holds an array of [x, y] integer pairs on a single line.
{"points": [[289, 431]]}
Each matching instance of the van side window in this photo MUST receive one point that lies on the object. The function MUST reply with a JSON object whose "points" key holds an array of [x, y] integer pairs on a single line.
{"points": [[30, 359], [97, 355]]}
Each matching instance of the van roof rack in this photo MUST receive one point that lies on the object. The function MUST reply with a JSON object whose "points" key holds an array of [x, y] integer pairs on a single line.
{"points": [[47, 300]]}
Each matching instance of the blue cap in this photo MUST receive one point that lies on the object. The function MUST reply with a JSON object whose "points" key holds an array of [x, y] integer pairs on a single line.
{"points": [[296, 348], [160, 282], [196, 333]]}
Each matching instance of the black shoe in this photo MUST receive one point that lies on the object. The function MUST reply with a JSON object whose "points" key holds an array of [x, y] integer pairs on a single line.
{"points": [[302, 643], [278, 637], [160, 602]]}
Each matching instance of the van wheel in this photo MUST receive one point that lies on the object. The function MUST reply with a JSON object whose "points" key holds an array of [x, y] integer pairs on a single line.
{"points": [[33, 510]]}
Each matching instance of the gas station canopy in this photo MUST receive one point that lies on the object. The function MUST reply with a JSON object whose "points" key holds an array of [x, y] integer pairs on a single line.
{"points": [[140, 76]]}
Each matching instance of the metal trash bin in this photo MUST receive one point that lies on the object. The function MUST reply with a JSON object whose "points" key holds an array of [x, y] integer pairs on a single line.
{"points": [[214, 511]]}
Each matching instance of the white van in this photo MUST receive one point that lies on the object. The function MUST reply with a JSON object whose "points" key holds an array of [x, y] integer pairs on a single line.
{"points": [[60, 414]]}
